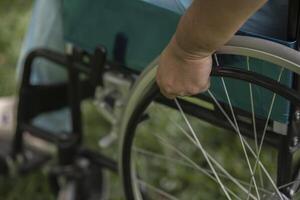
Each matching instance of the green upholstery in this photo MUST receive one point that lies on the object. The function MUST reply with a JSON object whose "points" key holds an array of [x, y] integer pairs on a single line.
{"points": [[138, 27], [135, 32]]}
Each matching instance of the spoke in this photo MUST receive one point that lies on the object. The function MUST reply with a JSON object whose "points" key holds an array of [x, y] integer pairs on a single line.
{"points": [[253, 110], [288, 184], [157, 190], [247, 145], [162, 157], [265, 171], [252, 179], [267, 121], [205, 171], [184, 156], [293, 189], [238, 130], [254, 127], [217, 60], [224, 171], [202, 149]]}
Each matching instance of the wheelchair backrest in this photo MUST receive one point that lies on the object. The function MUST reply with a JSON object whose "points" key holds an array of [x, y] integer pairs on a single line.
{"points": [[134, 32]]}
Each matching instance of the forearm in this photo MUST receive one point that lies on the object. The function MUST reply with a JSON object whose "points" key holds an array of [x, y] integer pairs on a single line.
{"points": [[209, 24]]}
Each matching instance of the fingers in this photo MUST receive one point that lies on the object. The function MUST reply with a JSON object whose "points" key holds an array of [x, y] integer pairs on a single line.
{"points": [[165, 91], [182, 77], [171, 92], [168, 95]]}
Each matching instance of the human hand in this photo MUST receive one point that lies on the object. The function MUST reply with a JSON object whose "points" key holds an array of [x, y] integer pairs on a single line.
{"points": [[182, 74]]}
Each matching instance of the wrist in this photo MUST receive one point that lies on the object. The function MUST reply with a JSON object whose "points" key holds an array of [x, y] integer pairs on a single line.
{"points": [[184, 53]]}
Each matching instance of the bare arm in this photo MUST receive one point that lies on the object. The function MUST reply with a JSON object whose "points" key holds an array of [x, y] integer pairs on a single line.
{"points": [[185, 64], [209, 24]]}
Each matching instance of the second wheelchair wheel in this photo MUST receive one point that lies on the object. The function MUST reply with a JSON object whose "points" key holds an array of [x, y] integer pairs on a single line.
{"points": [[236, 141]]}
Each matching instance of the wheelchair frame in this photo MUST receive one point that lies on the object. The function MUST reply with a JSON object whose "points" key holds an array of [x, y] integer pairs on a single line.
{"points": [[36, 99]]}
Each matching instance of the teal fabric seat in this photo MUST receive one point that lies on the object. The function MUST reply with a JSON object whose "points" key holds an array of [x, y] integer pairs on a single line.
{"points": [[135, 32]]}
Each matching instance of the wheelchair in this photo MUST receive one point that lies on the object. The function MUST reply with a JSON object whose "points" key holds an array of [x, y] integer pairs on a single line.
{"points": [[238, 140]]}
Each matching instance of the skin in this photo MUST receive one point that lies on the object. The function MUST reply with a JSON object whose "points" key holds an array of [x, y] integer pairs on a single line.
{"points": [[185, 64]]}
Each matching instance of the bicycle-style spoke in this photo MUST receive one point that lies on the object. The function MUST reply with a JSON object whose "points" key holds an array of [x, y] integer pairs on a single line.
{"points": [[216, 143], [252, 108], [247, 145], [160, 156], [156, 190], [201, 148], [292, 188], [254, 127], [252, 177], [204, 171], [265, 127], [267, 121], [219, 166], [238, 130], [264, 170]]}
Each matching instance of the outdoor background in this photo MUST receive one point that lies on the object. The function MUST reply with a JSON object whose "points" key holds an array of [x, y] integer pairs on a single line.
{"points": [[14, 18]]}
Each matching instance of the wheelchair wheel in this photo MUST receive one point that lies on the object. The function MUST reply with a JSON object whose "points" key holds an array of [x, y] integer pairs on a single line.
{"points": [[237, 141]]}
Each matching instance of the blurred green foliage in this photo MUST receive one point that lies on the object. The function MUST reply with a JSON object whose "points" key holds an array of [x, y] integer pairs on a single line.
{"points": [[14, 17], [29, 187], [164, 131]]}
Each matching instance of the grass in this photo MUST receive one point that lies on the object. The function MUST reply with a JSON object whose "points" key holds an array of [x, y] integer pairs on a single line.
{"points": [[162, 135], [28, 187], [15, 16]]}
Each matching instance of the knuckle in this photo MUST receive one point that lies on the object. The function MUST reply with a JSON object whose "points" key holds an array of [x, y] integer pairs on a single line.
{"points": [[158, 81], [194, 90], [168, 89], [198, 88], [205, 86], [203, 83]]}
